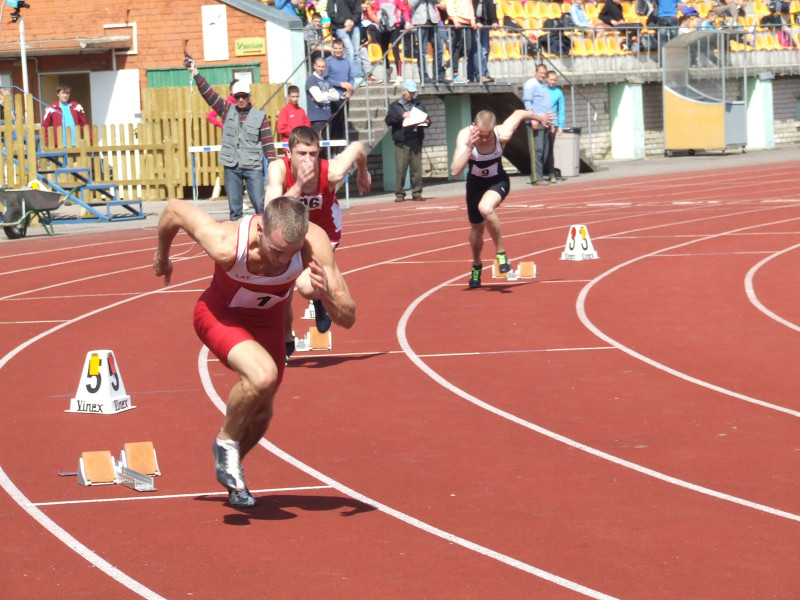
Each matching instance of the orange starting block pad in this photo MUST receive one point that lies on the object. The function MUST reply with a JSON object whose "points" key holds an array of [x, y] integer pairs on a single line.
{"points": [[314, 340], [100, 389], [525, 270], [99, 468]]}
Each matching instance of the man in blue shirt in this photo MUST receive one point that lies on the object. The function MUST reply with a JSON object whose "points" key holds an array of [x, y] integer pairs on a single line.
{"points": [[555, 129], [339, 74], [667, 20], [537, 98]]}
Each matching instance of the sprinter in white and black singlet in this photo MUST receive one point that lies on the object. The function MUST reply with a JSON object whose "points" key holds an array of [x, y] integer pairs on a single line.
{"points": [[479, 148]]}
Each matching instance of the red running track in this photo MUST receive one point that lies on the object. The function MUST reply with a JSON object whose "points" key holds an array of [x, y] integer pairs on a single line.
{"points": [[625, 427]]}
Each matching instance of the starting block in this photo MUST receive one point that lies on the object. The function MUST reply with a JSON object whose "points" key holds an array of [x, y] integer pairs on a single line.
{"points": [[100, 390], [99, 468], [96, 468], [525, 270], [141, 457], [579, 244], [314, 340]]}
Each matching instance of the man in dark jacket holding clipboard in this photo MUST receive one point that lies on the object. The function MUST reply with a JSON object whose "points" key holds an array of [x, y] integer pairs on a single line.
{"points": [[408, 118]]}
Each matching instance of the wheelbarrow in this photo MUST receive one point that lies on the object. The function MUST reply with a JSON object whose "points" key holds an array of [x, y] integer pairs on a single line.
{"points": [[23, 205]]}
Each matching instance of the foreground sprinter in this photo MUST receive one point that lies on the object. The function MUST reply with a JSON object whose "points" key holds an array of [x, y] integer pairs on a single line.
{"points": [[240, 317]]}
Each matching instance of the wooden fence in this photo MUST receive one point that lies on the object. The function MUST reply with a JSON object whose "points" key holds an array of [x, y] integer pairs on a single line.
{"points": [[147, 161]]}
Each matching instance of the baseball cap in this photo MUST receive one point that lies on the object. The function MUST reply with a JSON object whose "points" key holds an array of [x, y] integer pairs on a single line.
{"points": [[240, 87], [410, 85]]}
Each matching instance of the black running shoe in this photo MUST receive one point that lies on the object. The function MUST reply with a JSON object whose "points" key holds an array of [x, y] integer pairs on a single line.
{"points": [[475, 278], [321, 317], [505, 266], [289, 350]]}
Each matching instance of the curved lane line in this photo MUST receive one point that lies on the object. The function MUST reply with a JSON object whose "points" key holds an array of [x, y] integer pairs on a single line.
{"points": [[581, 310], [208, 385], [401, 336], [40, 517], [751, 293]]}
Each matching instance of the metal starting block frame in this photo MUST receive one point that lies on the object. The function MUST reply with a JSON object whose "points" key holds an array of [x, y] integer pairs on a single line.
{"points": [[135, 480]]}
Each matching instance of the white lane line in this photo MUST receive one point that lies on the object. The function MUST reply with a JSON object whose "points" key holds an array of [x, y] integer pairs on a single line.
{"points": [[141, 496], [751, 293], [401, 336], [581, 310], [36, 513], [202, 368], [73, 544]]}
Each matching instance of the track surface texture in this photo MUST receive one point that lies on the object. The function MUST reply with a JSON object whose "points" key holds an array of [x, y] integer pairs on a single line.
{"points": [[626, 427]]}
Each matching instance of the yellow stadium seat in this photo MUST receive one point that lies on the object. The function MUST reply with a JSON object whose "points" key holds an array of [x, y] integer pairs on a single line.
{"points": [[375, 52], [497, 50], [582, 46], [760, 8], [516, 9], [533, 10], [553, 10]]}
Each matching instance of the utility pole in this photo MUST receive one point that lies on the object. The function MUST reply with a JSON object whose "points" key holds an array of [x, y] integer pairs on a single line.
{"points": [[17, 5]]}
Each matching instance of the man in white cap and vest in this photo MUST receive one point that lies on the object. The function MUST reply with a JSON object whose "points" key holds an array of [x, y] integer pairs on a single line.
{"points": [[246, 139]]}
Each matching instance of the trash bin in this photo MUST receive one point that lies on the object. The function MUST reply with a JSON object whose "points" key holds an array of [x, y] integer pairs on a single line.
{"points": [[567, 152]]}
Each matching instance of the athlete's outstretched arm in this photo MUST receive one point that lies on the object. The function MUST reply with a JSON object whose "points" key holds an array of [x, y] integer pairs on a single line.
{"points": [[354, 154], [212, 236], [506, 130], [276, 179], [325, 281]]}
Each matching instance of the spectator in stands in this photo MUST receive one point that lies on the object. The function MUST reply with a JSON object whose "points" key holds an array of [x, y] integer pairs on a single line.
{"points": [[67, 114], [246, 141], [319, 95], [5, 96], [408, 134], [292, 115], [728, 10], [398, 20], [340, 11], [462, 17], [340, 76], [556, 128], [486, 17], [425, 17], [315, 38], [295, 8], [667, 21], [611, 15], [537, 99], [579, 18]]}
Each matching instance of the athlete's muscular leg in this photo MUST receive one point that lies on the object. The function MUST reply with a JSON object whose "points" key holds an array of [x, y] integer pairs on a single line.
{"points": [[249, 409], [476, 241], [489, 202]]}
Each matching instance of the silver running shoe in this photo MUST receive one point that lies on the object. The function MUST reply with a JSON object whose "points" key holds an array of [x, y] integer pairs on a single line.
{"points": [[226, 463], [241, 498]]}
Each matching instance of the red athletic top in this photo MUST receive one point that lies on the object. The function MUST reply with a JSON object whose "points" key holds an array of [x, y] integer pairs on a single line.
{"points": [[323, 207], [247, 293]]}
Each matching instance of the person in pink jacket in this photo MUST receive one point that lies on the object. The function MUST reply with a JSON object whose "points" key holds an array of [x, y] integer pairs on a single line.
{"points": [[64, 113]]}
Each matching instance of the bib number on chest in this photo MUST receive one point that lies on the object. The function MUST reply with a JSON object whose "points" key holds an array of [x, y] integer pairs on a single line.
{"points": [[245, 298], [312, 202], [489, 171]]}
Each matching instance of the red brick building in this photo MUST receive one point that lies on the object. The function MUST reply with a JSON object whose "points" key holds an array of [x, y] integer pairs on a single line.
{"points": [[109, 50]]}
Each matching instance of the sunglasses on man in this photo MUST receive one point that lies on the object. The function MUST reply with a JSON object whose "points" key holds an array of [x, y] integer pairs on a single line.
{"points": [[241, 96]]}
